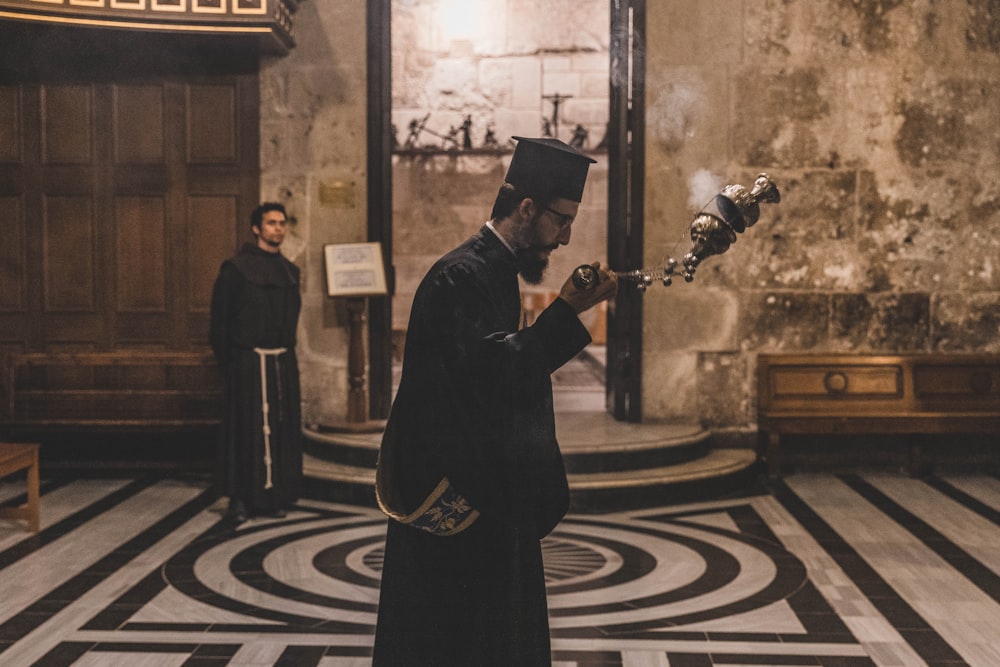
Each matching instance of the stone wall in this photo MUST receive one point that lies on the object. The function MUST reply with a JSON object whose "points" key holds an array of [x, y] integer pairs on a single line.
{"points": [[494, 62], [878, 120], [313, 159]]}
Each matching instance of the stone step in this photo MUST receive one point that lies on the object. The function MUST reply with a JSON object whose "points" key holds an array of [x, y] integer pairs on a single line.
{"points": [[610, 464], [591, 442], [595, 442], [717, 463], [719, 473], [359, 449], [714, 464]]}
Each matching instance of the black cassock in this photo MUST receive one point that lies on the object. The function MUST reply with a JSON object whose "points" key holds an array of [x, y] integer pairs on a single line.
{"points": [[474, 408], [255, 310]]}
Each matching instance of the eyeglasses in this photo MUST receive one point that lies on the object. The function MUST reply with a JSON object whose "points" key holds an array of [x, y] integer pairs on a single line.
{"points": [[563, 218]]}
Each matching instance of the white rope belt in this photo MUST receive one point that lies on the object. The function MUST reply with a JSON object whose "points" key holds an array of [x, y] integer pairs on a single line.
{"points": [[265, 409]]}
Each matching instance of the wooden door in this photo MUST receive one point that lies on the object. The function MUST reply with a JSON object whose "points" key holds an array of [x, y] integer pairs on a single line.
{"points": [[128, 168]]}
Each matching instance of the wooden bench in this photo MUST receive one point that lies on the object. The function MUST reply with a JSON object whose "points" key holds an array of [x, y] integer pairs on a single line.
{"points": [[136, 389], [875, 394], [15, 457]]}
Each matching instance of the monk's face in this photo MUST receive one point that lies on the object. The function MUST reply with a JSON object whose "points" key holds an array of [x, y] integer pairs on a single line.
{"points": [[546, 229], [271, 233]]}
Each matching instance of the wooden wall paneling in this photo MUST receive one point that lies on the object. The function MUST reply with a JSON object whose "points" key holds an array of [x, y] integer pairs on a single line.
{"points": [[12, 259], [123, 389], [140, 255], [176, 200], [10, 124], [211, 123], [248, 89], [206, 252], [129, 182], [102, 187], [13, 263], [67, 124], [71, 212], [139, 117], [222, 182], [31, 183], [68, 273]]}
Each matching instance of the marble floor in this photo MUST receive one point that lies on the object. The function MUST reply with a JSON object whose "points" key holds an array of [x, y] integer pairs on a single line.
{"points": [[837, 570]]}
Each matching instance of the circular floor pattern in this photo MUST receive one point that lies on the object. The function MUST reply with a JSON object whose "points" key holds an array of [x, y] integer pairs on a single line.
{"points": [[619, 576]]}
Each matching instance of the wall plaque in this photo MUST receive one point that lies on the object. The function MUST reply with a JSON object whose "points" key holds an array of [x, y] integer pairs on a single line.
{"points": [[354, 269]]}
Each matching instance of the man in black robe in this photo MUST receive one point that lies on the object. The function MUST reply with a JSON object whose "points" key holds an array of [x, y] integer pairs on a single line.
{"points": [[255, 311], [469, 467]]}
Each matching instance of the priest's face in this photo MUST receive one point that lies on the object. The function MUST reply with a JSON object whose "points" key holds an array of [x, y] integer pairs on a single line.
{"points": [[546, 229], [271, 233]]}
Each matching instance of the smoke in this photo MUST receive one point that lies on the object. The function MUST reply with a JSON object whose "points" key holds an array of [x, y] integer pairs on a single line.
{"points": [[702, 187], [675, 108]]}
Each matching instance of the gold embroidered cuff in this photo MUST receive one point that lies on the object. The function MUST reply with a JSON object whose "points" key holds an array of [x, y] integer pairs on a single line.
{"points": [[444, 511]]}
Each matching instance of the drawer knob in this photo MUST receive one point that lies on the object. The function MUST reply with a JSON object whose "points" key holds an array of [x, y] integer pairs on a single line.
{"points": [[835, 382], [981, 382]]}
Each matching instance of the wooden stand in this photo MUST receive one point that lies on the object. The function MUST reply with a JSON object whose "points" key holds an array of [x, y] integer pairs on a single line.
{"points": [[908, 394], [13, 458], [357, 395], [355, 271], [357, 399]]}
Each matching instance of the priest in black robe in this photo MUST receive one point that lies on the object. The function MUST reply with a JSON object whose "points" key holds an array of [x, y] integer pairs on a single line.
{"points": [[255, 312], [469, 468]]}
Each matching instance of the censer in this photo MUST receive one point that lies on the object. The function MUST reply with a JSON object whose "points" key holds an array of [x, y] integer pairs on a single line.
{"points": [[712, 231]]}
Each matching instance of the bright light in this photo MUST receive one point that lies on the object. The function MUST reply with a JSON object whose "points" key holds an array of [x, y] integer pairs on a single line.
{"points": [[460, 19]]}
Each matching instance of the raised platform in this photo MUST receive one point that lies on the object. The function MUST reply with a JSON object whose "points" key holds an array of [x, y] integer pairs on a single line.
{"points": [[610, 464]]}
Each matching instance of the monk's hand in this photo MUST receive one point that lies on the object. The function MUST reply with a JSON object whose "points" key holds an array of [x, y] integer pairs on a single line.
{"points": [[589, 285]]}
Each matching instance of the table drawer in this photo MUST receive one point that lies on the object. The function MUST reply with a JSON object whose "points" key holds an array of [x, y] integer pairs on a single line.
{"points": [[952, 381], [827, 382]]}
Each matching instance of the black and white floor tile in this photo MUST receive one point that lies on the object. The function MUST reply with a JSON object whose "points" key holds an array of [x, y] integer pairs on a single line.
{"points": [[846, 571]]}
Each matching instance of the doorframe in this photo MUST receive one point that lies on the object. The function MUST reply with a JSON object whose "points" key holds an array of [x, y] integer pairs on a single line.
{"points": [[626, 175], [626, 192], [379, 75]]}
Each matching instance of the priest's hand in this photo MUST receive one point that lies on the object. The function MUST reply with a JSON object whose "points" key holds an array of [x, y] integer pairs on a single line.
{"points": [[582, 297]]}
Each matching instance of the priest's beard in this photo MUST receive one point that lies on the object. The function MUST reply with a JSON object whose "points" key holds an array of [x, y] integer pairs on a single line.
{"points": [[531, 263]]}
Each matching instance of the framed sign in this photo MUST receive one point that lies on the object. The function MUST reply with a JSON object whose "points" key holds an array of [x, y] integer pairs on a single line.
{"points": [[354, 269]]}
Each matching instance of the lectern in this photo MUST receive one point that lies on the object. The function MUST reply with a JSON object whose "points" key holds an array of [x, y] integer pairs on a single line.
{"points": [[355, 271]]}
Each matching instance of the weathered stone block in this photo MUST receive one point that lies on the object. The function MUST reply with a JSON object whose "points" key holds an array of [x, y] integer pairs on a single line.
{"points": [[495, 81], [559, 25], [883, 322], [526, 83], [683, 317], [784, 321], [685, 107], [670, 387], [724, 390], [707, 32], [786, 117], [597, 62], [556, 64], [561, 83], [983, 27], [435, 220], [966, 322]]}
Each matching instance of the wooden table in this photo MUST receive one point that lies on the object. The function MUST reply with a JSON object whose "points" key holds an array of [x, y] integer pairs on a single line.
{"points": [[15, 457], [933, 393]]}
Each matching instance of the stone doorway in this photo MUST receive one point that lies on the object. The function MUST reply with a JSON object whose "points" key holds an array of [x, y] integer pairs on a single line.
{"points": [[465, 78]]}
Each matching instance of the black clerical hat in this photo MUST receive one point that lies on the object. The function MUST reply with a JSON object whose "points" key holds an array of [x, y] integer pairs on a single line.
{"points": [[547, 167]]}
